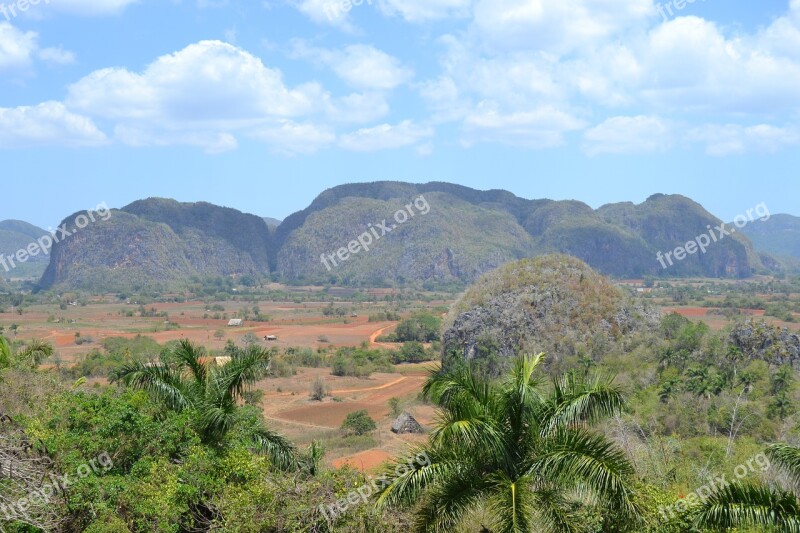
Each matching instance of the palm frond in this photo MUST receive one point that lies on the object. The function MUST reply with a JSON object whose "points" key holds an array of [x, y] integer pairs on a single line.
{"points": [[578, 400], [278, 448], [456, 492], [787, 458], [187, 355], [159, 380], [554, 510], [510, 502], [576, 458], [406, 482], [244, 369], [750, 505]]}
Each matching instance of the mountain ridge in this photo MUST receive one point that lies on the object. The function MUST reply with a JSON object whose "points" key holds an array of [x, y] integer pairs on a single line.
{"points": [[465, 233]]}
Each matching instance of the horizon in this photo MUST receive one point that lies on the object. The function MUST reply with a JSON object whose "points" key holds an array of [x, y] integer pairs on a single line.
{"points": [[124, 198]]}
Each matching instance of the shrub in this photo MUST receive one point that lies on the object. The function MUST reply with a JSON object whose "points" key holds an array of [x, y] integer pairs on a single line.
{"points": [[318, 389], [358, 423]]}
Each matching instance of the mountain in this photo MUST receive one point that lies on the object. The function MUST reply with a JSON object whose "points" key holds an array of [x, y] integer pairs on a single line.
{"points": [[159, 244], [394, 233], [272, 223], [554, 304], [17, 235], [469, 231], [778, 235]]}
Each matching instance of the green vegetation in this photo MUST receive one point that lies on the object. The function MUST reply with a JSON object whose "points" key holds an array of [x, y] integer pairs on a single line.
{"points": [[421, 327], [513, 456], [360, 362], [358, 423], [183, 383], [23, 354]]}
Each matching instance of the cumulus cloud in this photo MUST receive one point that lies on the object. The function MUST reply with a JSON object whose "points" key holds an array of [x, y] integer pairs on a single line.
{"points": [[47, 124], [544, 127], [556, 27], [628, 135], [385, 136], [426, 10], [361, 66], [16, 47], [735, 139]]}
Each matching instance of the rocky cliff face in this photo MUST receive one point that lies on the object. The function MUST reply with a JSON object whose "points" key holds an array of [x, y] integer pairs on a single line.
{"points": [[554, 304], [158, 244], [434, 233]]}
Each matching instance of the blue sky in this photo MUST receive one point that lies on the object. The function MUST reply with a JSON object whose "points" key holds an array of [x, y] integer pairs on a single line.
{"points": [[260, 105]]}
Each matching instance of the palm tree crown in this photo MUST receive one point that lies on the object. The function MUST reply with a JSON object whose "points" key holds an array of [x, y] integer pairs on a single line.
{"points": [[184, 382], [524, 456]]}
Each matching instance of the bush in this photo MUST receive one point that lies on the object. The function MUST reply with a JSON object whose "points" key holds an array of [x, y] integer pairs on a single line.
{"points": [[412, 352], [422, 327], [360, 362], [318, 389], [358, 423]]}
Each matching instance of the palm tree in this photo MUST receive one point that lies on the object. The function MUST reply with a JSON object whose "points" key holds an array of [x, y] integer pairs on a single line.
{"points": [[757, 506], [31, 354], [184, 382], [34, 352], [525, 455]]}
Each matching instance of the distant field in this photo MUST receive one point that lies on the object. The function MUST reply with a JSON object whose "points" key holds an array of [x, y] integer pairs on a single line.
{"points": [[286, 402]]}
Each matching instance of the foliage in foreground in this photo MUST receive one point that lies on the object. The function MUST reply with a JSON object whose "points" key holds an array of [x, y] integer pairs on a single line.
{"points": [[516, 456]]}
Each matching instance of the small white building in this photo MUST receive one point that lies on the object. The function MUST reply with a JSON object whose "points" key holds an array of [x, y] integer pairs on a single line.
{"points": [[235, 322]]}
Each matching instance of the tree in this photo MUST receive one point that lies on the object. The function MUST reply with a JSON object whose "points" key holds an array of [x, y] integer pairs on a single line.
{"points": [[30, 355], [752, 505], [212, 395], [358, 423], [422, 327], [526, 455], [34, 352]]}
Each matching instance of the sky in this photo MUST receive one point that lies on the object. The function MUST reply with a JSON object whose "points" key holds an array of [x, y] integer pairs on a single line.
{"points": [[261, 105]]}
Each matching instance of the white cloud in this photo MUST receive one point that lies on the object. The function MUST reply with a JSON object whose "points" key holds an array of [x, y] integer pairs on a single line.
{"points": [[689, 64], [208, 82], [291, 138], [47, 124], [210, 142], [556, 27], [734, 139], [358, 108], [361, 66], [326, 12], [543, 127], [425, 10], [56, 56], [628, 135], [385, 136], [16, 47]]}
